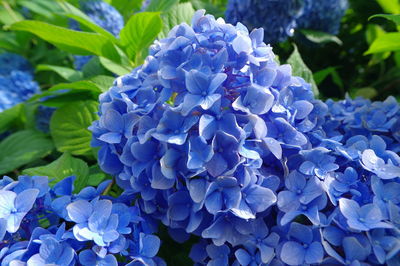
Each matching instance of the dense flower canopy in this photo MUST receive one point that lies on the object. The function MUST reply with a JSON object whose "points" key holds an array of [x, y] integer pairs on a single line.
{"points": [[219, 140], [82, 229], [16, 80], [105, 16]]}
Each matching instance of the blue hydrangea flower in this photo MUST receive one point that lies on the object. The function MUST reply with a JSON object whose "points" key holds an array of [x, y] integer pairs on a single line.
{"points": [[102, 14], [16, 86], [303, 248], [362, 218], [10, 62], [214, 138], [113, 227], [323, 15], [278, 18], [14, 207]]}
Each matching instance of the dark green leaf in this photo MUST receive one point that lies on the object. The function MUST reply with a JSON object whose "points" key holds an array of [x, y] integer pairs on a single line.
{"points": [[299, 68], [140, 31], [69, 127], [22, 148], [64, 166], [75, 42], [321, 37], [394, 18], [8, 117]]}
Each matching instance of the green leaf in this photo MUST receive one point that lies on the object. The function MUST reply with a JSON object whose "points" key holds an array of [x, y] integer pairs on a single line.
{"points": [[394, 18], [76, 14], [64, 166], [44, 8], [179, 14], [96, 176], [76, 42], [115, 68], [320, 37], [93, 68], [9, 16], [65, 72], [8, 117], [299, 68], [140, 31], [388, 42], [367, 93], [161, 5], [22, 148], [321, 75], [390, 6], [69, 127], [127, 8], [103, 82], [63, 89]]}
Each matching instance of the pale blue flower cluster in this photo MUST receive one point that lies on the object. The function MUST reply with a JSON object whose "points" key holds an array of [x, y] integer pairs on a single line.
{"points": [[16, 80], [216, 139], [82, 229], [280, 18], [105, 16]]}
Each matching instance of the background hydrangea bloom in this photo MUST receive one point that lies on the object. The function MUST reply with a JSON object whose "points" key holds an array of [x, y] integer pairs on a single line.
{"points": [[16, 80], [323, 15], [278, 18], [104, 15]]}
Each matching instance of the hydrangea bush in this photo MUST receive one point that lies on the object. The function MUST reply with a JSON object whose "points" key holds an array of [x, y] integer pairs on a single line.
{"points": [[105, 16], [214, 138], [43, 225]]}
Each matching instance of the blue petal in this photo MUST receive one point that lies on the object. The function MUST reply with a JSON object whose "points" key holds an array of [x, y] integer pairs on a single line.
{"points": [[293, 253]]}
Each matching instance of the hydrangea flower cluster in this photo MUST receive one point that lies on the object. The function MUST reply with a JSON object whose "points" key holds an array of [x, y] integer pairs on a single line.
{"points": [[82, 229], [216, 139], [105, 16], [16, 80], [278, 18], [323, 15]]}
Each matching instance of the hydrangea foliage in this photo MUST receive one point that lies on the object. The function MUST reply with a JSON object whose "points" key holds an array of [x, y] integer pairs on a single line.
{"points": [[105, 16], [219, 140], [82, 229]]}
